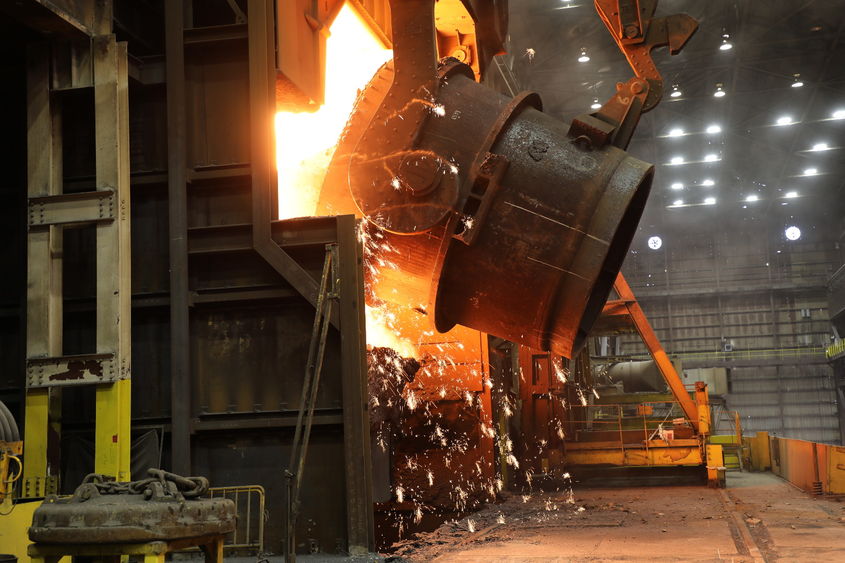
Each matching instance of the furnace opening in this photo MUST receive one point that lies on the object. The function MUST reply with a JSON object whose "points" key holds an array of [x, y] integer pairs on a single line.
{"points": [[305, 141]]}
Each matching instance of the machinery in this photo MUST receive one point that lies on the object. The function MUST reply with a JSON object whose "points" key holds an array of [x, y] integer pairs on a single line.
{"points": [[11, 447], [475, 191], [501, 220]]}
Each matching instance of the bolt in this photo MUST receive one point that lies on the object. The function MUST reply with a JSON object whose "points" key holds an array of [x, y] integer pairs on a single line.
{"points": [[637, 87], [631, 31]]}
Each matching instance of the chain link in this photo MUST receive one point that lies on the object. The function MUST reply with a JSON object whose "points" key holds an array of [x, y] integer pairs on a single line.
{"points": [[159, 481]]}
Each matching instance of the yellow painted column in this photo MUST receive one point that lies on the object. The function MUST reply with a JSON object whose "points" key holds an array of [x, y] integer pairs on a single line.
{"points": [[35, 442], [112, 436]]}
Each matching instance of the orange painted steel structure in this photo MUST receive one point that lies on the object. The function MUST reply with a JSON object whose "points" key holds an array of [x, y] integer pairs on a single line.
{"points": [[627, 304]]}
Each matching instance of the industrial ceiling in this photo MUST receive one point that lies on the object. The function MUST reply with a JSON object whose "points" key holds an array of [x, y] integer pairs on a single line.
{"points": [[766, 155]]}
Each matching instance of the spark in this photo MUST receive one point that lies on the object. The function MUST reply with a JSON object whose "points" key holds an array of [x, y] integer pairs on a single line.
{"points": [[400, 494], [471, 525], [530, 54], [438, 110], [411, 400]]}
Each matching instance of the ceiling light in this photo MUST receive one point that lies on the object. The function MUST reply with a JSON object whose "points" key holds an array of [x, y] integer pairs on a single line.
{"points": [[675, 92], [797, 82], [811, 171], [677, 186], [784, 120], [678, 202], [584, 57], [595, 104], [710, 201], [711, 157], [719, 93], [792, 233], [676, 132], [790, 195], [752, 197], [677, 160], [726, 44], [655, 242], [713, 129], [820, 147], [839, 114], [708, 182]]}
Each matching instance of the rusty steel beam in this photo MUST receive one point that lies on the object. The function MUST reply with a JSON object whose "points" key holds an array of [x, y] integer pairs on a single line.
{"points": [[71, 370]]}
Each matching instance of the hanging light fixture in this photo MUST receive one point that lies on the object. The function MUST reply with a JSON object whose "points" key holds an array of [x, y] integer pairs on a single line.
{"points": [[584, 56], [676, 93], [726, 43], [595, 104], [796, 81], [720, 92]]}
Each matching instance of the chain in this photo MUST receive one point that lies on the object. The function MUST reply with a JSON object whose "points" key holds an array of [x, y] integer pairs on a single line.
{"points": [[158, 483]]}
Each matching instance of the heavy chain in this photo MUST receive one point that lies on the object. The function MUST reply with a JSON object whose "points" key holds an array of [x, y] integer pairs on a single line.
{"points": [[159, 483]]}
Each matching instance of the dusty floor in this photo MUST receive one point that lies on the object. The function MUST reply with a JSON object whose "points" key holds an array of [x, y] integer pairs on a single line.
{"points": [[757, 518]]}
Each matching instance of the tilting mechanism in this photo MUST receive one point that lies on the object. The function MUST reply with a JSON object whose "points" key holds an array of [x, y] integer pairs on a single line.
{"points": [[636, 31]]}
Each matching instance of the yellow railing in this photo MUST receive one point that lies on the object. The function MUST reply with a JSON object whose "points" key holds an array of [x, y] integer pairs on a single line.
{"points": [[757, 354], [835, 349], [249, 507], [648, 417]]}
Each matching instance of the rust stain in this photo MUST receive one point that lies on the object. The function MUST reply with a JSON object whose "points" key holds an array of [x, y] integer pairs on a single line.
{"points": [[78, 369], [677, 454]]}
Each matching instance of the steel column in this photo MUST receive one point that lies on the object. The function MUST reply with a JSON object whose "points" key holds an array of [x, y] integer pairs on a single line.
{"points": [[262, 103], [180, 374], [114, 298], [44, 264], [356, 426]]}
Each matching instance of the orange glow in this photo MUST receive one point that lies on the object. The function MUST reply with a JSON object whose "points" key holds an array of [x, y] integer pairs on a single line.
{"points": [[382, 330], [305, 142]]}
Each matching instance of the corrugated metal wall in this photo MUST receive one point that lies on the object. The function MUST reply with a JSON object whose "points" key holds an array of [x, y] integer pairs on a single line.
{"points": [[759, 310]]}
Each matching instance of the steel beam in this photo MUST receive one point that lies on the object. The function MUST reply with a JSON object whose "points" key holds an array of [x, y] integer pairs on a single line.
{"points": [[72, 209], [262, 103], [664, 364], [71, 370]]}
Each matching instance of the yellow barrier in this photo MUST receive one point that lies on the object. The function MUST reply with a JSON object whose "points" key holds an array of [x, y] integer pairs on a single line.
{"points": [[753, 354], [816, 468], [835, 349]]}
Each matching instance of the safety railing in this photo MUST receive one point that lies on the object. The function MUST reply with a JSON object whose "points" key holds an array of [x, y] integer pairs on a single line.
{"points": [[249, 507], [835, 349], [753, 354], [654, 419]]}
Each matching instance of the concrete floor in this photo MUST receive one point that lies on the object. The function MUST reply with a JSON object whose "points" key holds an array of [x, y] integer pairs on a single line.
{"points": [[758, 517]]}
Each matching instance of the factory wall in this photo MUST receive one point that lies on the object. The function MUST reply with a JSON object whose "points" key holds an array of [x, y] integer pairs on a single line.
{"points": [[758, 310]]}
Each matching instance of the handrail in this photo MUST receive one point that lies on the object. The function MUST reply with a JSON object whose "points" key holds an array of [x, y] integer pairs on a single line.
{"points": [[835, 349], [750, 354]]}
